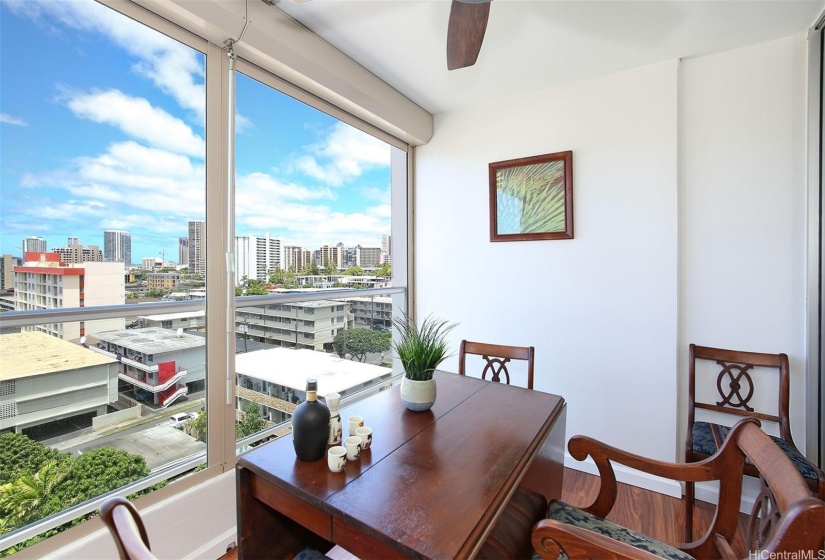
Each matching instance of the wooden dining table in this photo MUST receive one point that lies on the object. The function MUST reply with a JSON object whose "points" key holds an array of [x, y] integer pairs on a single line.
{"points": [[432, 485]]}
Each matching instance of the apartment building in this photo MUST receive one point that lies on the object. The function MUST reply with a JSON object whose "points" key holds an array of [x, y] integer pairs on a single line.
{"points": [[369, 257], [330, 254], [186, 320], [77, 253], [197, 248], [256, 257], [158, 365], [34, 244], [296, 258], [375, 310], [183, 251], [117, 247], [7, 264], [311, 325], [57, 381], [43, 281], [163, 280]]}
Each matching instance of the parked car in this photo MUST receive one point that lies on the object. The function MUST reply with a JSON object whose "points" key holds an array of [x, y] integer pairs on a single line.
{"points": [[178, 420], [380, 328]]}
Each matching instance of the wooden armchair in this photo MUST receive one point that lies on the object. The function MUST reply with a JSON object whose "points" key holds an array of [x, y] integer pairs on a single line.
{"points": [[737, 379], [791, 520], [496, 357]]}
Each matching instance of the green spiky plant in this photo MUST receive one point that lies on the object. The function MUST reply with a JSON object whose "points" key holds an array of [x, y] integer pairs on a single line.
{"points": [[421, 349]]}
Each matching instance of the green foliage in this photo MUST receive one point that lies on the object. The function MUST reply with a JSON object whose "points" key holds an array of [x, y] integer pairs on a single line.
{"points": [[284, 278], [21, 456], [421, 349], [330, 268], [154, 293], [354, 271], [310, 269], [251, 423], [38, 481], [131, 295], [385, 270], [197, 426], [360, 342]]}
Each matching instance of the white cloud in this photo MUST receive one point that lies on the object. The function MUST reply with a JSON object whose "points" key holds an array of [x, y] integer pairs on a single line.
{"points": [[8, 119], [138, 118], [173, 67], [344, 155]]}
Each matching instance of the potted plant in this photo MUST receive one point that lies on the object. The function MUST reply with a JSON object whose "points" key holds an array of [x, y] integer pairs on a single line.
{"points": [[420, 349]]}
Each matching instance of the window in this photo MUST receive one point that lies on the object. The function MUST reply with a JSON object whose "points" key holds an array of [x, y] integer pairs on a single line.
{"points": [[312, 183]]}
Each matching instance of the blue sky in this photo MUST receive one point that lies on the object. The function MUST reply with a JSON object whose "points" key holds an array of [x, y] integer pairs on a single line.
{"points": [[102, 127]]}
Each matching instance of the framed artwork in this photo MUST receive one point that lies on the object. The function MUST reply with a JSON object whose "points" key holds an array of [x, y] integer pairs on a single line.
{"points": [[532, 198]]}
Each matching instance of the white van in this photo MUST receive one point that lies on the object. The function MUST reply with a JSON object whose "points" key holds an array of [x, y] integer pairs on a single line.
{"points": [[178, 420]]}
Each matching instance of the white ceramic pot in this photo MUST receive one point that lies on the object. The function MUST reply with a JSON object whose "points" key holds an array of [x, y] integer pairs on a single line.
{"points": [[418, 396]]}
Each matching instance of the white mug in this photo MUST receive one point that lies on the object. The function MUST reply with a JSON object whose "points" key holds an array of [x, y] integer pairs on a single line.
{"points": [[337, 458], [353, 445], [365, 434], [355, 422]]}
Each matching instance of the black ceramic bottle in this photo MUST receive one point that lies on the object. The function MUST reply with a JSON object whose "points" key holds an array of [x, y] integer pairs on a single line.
{"points": [[310, 426]]}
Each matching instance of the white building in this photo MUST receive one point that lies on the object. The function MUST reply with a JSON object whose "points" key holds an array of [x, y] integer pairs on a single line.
{"points": [[34, 245], [186, 320], [43, 379], [375, 310], [45, 282], [311, 325], [151, 263], [257, 257], [7, 271], [159, 365], [76, 253], [276, 378], [295, 258]]}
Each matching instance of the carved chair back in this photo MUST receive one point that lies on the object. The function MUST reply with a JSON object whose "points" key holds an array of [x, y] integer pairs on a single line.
{"points": [[496, 357]]}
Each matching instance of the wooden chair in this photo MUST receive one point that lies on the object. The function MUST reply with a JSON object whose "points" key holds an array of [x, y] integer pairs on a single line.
{"points": [[126, 526], [736, 387], [497, 356], [791, 523]]}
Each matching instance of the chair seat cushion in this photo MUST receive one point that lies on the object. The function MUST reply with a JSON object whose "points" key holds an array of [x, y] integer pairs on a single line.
{"points": [[510, 537], [565, 513], [708, 437]]}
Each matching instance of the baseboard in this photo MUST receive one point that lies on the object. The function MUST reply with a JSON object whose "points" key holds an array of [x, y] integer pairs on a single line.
{"points": [[706, 492], [216, 547]]}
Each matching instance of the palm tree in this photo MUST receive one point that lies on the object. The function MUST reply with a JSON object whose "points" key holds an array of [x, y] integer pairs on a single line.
{"points": [[21, 500]]}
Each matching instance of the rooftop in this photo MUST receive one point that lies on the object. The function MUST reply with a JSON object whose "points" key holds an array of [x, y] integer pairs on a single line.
{"points": [[18, 357], [172, 316], [152, 340], [291, 368]]}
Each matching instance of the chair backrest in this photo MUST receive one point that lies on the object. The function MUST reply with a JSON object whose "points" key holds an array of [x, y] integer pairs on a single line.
{"points": [[736, 386], [496, 357], [126, 526], [786, 518]]}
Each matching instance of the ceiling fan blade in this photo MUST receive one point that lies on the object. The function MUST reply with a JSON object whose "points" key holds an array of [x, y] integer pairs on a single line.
{"points": [[468, 22]]}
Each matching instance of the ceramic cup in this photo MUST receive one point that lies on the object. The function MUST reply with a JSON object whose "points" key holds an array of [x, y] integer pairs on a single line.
{"points": [[355, 422], [337, 458], [353, 445], [365, 434]]}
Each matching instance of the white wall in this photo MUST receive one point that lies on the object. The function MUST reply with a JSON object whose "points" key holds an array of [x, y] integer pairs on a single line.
{"points": [[601, 309], [742, 155], [688, 228]]}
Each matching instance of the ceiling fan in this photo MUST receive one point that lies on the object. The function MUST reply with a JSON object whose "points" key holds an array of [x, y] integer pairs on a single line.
{"points": [[468, 22]]}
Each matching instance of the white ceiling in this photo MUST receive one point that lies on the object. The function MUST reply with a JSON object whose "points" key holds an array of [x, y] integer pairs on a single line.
{"points": [[532, 45]]}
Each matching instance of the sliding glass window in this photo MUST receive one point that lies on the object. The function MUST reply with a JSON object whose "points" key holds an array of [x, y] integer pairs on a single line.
{"points": [[103, 198], [314, 253]]}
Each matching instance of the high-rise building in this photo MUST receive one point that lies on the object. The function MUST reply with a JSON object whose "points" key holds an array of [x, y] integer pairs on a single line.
{"points": [[368, 257], [386, 244], [296, 258], [151, 263], [7, 271], [34, 245], [72, 241], [44, 282], [331, 254], [78, 254], [197, 248], [183, 250], [257, 257], [117, 247]]}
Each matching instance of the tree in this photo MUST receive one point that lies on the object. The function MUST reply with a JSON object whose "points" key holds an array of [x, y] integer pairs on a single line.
{"points": [[330, 269], [385, 270], [354, 271], [251, 423], [360, 342], [154, 293], [197, 426]]}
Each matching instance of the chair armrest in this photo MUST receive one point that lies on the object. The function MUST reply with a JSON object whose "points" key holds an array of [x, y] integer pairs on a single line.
{"points": [[550, 535], [723, 548], [724, 464]]}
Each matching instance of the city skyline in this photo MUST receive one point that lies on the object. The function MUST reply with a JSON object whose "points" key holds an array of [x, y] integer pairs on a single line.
{"points": [[133, 102]]}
